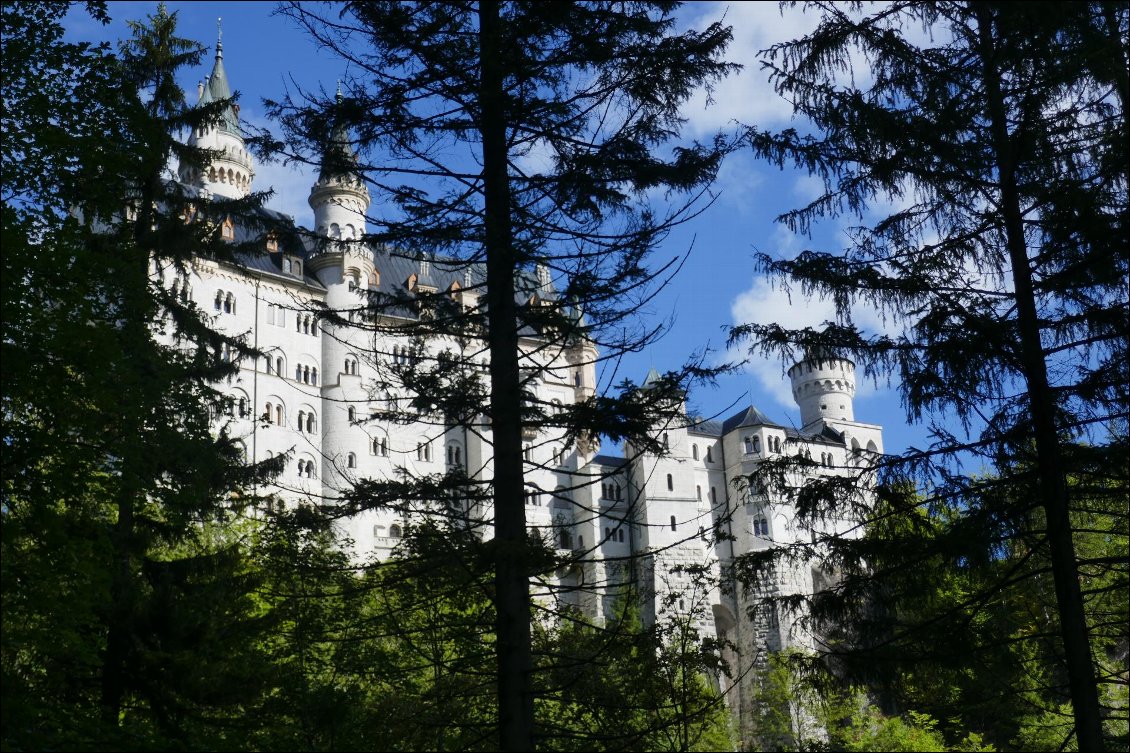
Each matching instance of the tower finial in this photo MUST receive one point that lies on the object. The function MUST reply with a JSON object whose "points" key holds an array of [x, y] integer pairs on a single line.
{"points": [[339, 90], [219, 37]]}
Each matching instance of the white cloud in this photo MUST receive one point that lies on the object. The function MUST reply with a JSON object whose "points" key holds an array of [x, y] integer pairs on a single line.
{"points": [[763, 303], [746, 96]]}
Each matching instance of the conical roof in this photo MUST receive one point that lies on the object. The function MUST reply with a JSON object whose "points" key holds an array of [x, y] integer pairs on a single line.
{"points": [[216, 89], [339, 159]]}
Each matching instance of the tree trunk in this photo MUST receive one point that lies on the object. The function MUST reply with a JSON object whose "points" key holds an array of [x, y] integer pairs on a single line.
{"points": [[512, 594], [1053, 483]]}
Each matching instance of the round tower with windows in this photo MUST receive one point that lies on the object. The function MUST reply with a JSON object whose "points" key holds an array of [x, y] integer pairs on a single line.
{"points": [[823, 387], [231, 171], [339, 197]]}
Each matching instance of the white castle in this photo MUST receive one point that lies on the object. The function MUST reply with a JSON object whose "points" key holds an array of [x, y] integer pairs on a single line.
{"points": [[631, 521]]}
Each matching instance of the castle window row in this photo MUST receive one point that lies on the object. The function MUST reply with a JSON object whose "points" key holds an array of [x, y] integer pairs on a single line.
{"points": [[610, 491], [614, 535], [761, 527], [306, 374], [305, 324], [379, 447], [306, 469], [181, 290], [424, 452], [307, 422], [224, 302]]}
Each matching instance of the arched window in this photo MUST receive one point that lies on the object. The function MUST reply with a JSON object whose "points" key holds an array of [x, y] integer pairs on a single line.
{"points": [[383, 447], [698, 493], [757, 444], [352, 412], [314, 376], [311, 423], [270, 414], [243, 411], [666, 443], [279, 415], [454, 454], [713, 495], [279, 366], [670, 483], [394, 531], [229, 304], [557, 456], [607, 533], [749, 445], [709, 455], [617, 490], [673, 525], [351, 460], [620, 534], [694, 451], [218, 303]]}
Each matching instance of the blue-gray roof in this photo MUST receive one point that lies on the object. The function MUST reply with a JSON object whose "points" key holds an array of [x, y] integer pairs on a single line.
{"points": [[701, 426], [216, 88], [610, 461], [751, 416]]}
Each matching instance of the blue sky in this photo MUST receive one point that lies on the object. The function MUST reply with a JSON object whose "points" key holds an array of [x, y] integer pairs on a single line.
{"points": [[264, 54]]}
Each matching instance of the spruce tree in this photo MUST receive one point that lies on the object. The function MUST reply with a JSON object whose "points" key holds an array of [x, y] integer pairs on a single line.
{"points": [[123, 583], [447, 106], [1001, 141]]}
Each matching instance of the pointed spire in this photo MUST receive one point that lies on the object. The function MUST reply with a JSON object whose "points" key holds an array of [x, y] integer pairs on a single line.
{"points": [[219, 39]]}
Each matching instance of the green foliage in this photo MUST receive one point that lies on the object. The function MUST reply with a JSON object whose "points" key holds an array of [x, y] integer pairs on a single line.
{"points": [[622, 686], [126, 615], [997, 142]]}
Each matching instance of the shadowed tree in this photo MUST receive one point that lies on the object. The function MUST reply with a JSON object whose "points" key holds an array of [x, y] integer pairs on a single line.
{"points": [[121, 590], [530, 151], [1000, 140]]}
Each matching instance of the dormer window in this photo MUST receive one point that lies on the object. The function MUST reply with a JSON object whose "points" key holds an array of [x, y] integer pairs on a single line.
{"points": [[272, 242], [189, 213], [227, 230]]}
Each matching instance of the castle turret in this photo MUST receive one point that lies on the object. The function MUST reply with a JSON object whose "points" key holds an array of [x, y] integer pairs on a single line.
{"points": [[232, 170], [339, 197], [824, 387]]}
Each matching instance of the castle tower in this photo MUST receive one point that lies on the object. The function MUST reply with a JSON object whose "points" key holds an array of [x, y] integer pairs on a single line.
{"points": [[231, 172], [339, 197], [824, 387]]}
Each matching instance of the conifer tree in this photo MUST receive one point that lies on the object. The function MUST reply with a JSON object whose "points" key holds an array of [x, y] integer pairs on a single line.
{"points": [[1000, 140], [522, 145], [121, 594]]}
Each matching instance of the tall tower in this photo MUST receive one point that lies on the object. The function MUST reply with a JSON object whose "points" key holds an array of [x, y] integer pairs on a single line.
{"points": [[823, 387], [230, 173], [339, 197]]}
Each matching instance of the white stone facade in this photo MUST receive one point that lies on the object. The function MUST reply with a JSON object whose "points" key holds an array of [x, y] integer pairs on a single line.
{"points": [[625, 522]]}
